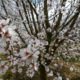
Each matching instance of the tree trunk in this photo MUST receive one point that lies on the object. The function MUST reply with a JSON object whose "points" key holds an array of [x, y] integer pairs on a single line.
{"points": [[43, 75]]}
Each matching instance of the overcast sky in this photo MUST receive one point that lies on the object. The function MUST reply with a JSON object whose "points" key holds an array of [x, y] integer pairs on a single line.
{"points": [[36, 1]]}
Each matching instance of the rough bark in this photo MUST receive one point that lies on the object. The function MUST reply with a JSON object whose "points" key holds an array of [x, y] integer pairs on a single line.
{"points": [[42, 71]]}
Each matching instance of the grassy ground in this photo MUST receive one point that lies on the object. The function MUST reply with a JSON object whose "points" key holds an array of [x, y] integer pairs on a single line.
{"points": [[70, 70]]}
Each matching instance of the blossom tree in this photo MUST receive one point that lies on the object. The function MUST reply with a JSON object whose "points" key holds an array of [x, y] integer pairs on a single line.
{"points": [[33, 32]]}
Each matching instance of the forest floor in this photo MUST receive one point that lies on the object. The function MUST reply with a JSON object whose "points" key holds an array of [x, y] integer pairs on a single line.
{"points": [[70, 69]]}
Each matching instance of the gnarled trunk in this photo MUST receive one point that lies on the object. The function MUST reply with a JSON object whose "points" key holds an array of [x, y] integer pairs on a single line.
{"points": [[43, 75]]}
